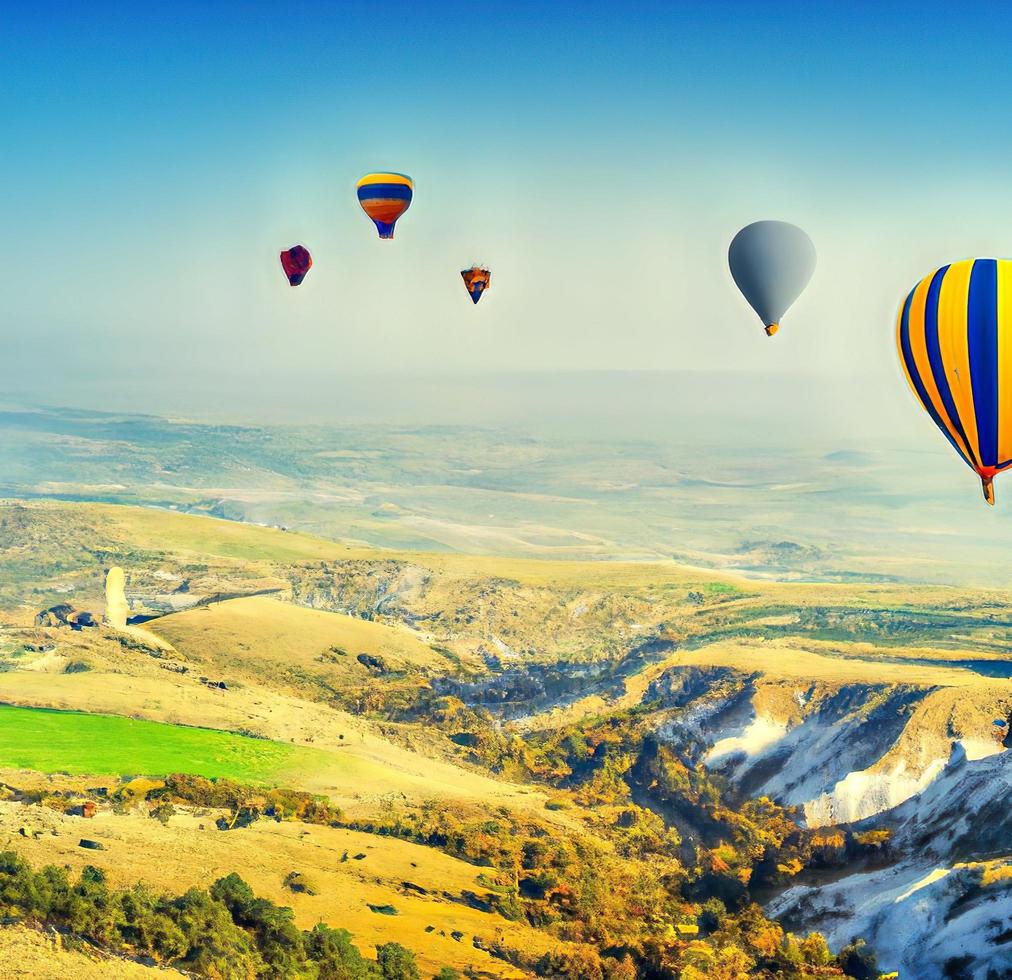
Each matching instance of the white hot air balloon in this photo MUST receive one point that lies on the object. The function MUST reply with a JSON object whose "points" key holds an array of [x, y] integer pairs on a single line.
{"points": [[771, 263]]}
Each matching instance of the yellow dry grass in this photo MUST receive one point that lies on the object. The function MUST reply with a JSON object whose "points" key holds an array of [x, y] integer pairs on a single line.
{"points": [[584, 574], [264, 634], [152, 529], [28, 954], [266, 852], [794, 660]]}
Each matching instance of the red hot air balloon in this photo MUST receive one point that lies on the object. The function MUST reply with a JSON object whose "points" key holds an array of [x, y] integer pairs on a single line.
{"points": [[477, 280], [296, 261]]}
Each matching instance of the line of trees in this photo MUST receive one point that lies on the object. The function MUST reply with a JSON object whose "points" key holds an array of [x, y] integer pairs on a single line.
{"points": [[226, 932]]}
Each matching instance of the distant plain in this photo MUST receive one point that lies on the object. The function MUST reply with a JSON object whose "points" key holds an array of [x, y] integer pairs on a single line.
{"points": [[812, 483]]}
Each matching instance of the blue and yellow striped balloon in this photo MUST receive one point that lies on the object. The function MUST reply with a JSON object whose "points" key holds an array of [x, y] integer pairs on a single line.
{"points": [[954, 335], [385, 197]]}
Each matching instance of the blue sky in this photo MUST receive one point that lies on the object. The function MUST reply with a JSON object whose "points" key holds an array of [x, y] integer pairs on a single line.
{"points": [[598, 157]]}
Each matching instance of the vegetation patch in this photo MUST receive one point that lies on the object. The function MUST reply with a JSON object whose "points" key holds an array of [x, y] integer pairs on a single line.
{"points": [[84, 744], [226, 931]]}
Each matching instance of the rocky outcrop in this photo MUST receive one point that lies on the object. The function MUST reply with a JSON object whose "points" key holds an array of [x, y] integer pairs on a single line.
{"points": [[945, 909], [842, 752], [116, 607], [928, 922], [64, 614]]}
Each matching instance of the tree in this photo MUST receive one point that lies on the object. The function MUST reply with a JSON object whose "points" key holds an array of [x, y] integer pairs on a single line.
{"points": [[730, 963], [711, 915], [623, 969], [579, 963], [93, 911], [277, 937], [396, 962], [336, 956], [20, 892], [815, 950], [858, 961], [228, 933], [217, 946], [147, 926]]}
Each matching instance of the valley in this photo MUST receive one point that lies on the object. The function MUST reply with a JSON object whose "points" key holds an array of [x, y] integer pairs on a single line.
{"points": [[591, 702]]}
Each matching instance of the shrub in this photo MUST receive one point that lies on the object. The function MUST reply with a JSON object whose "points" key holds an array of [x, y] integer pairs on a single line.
{"points": [[396, 962], [336, 956], [858, 961]]}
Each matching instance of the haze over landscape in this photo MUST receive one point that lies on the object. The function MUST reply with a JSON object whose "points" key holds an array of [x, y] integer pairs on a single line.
{"points": [[359, 631]]}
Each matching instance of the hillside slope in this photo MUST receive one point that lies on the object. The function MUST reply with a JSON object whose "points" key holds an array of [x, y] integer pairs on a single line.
{"points": [[28, 954]]}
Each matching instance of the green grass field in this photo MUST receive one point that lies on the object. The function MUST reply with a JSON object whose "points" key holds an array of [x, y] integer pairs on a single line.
{"points": [[82, 744]]}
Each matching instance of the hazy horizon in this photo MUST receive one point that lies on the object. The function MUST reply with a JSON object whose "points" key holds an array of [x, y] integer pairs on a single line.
{"points": [[779, 405], [604, 465]]}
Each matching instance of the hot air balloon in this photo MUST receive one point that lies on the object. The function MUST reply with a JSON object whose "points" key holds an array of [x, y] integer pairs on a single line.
{"points": [[771, 263], [385, 197], [296, 261], [477, 280], [954, 335]]}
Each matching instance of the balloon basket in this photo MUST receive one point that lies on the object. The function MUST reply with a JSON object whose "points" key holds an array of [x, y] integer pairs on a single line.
{"points": [[987, 485]]}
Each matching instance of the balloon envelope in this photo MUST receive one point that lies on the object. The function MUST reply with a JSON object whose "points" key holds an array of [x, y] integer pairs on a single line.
{"points": [[296, 261], [385, 197], [954, 335], [477, 280], [771, 263]]}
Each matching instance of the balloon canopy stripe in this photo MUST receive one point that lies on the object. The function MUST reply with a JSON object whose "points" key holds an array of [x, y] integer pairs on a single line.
{"points": [[384, 209], [386, 178], [937, 361], [1004, 289], [916, 379], [982, 345], [398, 192], [953, 343], [921, 367]]}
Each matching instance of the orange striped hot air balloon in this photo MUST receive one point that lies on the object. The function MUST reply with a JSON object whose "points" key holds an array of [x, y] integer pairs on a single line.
{"points": [[385, 197]]}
